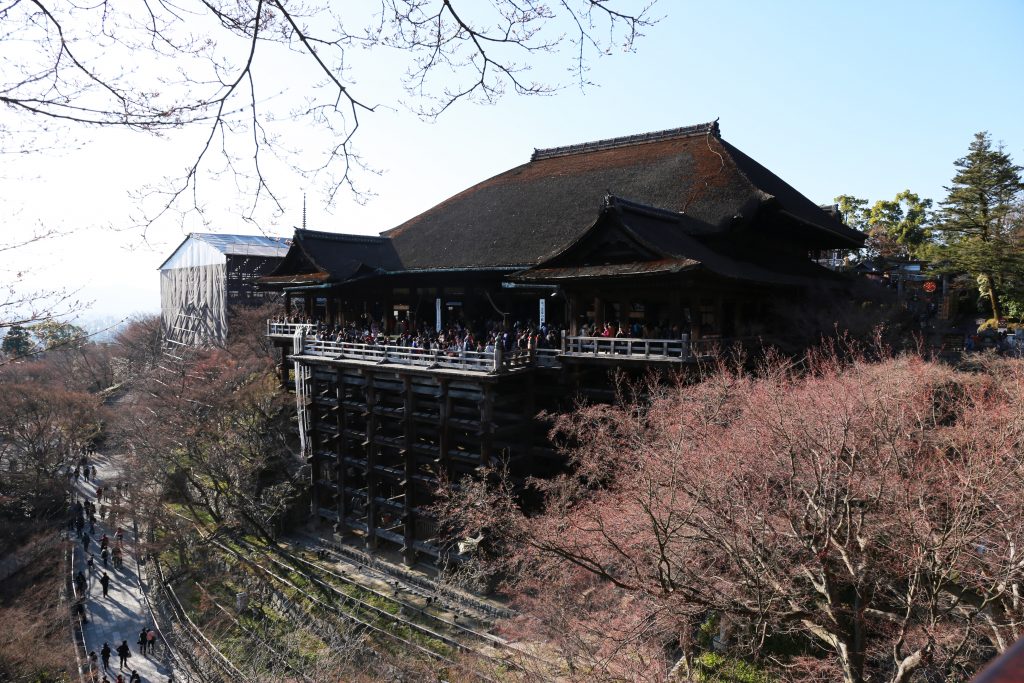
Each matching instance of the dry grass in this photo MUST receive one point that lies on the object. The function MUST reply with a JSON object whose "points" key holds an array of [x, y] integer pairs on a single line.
{"points": [[35, 638]]}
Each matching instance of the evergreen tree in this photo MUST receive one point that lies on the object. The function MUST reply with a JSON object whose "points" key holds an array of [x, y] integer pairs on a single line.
{"points": [[978, 219], [17, 341]]}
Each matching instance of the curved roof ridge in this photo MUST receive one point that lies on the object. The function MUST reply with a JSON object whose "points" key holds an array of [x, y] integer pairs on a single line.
{"points": [[710, 127], [340, 236]]}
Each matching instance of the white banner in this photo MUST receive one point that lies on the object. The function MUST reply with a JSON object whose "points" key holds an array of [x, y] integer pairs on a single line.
{"points": [[542, 316], [437, 313]]}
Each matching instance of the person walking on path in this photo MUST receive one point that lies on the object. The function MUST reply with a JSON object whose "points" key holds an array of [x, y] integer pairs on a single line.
{"points": [[135, 677], [142, 641], [105, 654], [124, 652], [105, 582], [151, 640], [81, 583]]}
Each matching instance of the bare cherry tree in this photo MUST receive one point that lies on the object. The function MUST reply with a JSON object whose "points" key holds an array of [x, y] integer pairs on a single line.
{"points": [[243, 71], [848, 521]]}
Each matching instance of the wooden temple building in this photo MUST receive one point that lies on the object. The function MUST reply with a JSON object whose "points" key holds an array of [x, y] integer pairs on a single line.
{"points": [[674, 241]]}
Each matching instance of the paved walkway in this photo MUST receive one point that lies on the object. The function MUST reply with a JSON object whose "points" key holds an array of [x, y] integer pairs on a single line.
{"points": [[124, 612]]}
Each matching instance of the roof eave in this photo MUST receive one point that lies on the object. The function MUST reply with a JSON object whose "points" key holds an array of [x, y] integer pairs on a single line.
{"points": [[854, 241]]}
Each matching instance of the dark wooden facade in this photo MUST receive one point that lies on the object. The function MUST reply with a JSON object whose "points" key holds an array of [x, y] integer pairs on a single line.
{"points": [[705, 243]]}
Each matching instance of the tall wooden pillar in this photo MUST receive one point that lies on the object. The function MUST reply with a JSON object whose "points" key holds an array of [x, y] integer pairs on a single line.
{"points": [[331, 310], [675, 309], [388, 315], [529, 411], [487, 425], [445, 410], [572, 312], [372, 450], [316, 466], [409, 516], [341, 451]]}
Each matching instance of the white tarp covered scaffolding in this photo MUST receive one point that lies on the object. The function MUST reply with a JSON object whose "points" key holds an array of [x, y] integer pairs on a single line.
{"points": [[194, 283]]}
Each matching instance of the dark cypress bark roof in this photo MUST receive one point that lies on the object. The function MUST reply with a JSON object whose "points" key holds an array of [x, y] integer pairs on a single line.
{"points": [[317, 256], [631, 239], [522, 215]]}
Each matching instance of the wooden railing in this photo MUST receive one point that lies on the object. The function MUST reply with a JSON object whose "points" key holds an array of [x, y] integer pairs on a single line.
{"points": [[498, 360], [277, 329], [627, 346], [474, 361]]}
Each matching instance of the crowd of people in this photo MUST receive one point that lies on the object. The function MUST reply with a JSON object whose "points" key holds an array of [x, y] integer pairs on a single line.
{"points": [[85, 514], [454, 339]]}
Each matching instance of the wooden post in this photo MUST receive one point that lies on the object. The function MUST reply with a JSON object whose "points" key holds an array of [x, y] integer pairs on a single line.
{"points": [[371, 462], [529, 411], [675, 309], [445, 411], [341, 451], [409, 518], [572, 305], [314, 458], [486, 425]]}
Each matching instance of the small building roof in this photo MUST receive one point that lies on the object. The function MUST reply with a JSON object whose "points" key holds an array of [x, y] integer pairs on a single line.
{"points": [[233, 245], [318, 256]]}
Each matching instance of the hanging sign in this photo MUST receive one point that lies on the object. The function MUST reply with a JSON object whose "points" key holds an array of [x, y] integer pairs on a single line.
{"points": [[542, 316], [437, 314]]}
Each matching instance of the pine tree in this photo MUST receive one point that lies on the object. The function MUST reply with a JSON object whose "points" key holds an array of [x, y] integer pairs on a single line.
{"points": [[17, 341], [977, 220]]}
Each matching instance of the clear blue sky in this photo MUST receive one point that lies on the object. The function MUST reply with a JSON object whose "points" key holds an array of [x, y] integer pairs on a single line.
{"points": [[862, 98]]}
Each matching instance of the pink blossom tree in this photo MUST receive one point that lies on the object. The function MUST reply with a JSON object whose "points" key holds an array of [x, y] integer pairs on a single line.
{"points": [[840, 520]]}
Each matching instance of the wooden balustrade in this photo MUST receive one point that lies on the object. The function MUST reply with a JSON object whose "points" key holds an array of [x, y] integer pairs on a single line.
{"points": [[498, 360], [627, 346], [277, 329]]}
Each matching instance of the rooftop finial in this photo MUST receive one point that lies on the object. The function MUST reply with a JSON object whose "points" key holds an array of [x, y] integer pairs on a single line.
{"points": [[303, 210]]}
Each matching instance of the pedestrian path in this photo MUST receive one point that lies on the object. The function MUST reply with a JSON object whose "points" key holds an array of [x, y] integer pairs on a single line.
{"points": [[123, 613]]}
